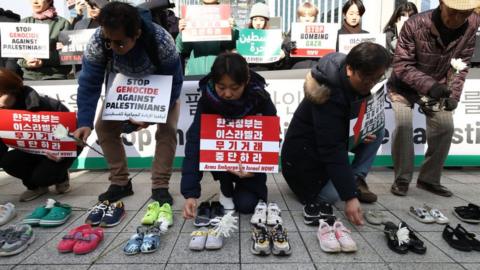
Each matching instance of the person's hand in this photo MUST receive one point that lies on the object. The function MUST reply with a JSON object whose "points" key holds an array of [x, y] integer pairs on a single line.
{"points": [[141, 125], [82, 133], [190, 208], [182, 24], [353, 211], [370, 138], [241, 173], [450, 104], [53, 157], [439, 91]]}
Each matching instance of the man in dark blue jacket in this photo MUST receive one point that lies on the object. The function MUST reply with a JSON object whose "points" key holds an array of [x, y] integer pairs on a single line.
{"points": [[315, 151], [136, 47]]}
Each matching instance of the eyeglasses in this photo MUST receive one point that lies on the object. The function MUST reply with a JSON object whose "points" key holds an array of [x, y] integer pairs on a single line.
{"points": [[117, 43]]}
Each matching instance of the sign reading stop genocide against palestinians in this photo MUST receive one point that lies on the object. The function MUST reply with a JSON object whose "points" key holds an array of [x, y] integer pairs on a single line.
{"points": [[144, 99], [206, 23], [252, 141], [348, 41], [32, 132], [23, 40], [313, 39]]}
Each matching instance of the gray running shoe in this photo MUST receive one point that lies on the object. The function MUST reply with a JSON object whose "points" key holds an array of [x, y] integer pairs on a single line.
{"points": [[281, 246], [260, 240], [18, 240]]}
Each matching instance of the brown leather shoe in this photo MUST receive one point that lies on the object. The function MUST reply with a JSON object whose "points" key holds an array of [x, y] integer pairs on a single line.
{"points": [[399, 188], [435, 189], [364, 194]]}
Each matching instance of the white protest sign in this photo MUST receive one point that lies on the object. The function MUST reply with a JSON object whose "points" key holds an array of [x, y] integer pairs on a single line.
{"points": [[23, 40], [144, 99], [348, 41], [313, 39]]}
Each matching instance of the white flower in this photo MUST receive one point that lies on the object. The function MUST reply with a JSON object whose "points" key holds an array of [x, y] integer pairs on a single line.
{"points": [[60, 132], [458, 64], [226, 225]]}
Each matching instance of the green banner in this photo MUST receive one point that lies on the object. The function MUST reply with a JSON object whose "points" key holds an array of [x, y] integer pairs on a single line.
{"points": [[260, 46]]}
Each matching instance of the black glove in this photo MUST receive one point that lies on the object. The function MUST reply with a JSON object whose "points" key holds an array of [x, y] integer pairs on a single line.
{"points": [[439, 91], [291, 45], [450, 104]]}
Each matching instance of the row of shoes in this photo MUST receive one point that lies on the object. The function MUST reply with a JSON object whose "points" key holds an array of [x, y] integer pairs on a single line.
{"points": [[7, 213], [469, 213], [428, 215], [145, 240], [15, 239], [401, 239], [81, 240], [208, 213], [106, 214], [273, 241], [335, 238], [52, 214], [162, 215], [268, 215], [460, 239], [205, 238]]}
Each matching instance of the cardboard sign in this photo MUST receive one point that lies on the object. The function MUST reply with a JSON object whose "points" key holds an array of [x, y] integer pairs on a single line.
{"points": [[31, 132], [367, 115], [74, 44], [348, 41], [253, 141], [313, 39], [260, 46], [23, 40], [206, 23], [144, 99]]}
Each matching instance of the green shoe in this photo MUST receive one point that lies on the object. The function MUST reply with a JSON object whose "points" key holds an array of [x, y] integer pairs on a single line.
{"points": [[34, 218], [165, 217], [152, 213], [57, 216]]}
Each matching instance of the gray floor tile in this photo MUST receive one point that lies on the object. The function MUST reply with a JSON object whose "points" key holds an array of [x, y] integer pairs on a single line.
{"points": [[425, 266], [127, 266], [464, 178], [418, 197], [39, 242], [459, 256], [352, 266], [6, 267], [472, 266], [276, 266], [299, 252], [51, 267], [194, 266]]}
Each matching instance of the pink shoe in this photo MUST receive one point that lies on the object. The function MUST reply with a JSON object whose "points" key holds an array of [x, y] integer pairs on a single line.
{"points": [[89, 241], [69, 240], [327, 239], [343, 236]]}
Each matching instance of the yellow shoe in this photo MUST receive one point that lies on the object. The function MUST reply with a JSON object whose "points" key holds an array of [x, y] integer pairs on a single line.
{"points": [[152, 214]]}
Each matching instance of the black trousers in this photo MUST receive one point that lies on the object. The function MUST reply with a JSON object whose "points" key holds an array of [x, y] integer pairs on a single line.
{"points": [[35, 170], [245, 191]]}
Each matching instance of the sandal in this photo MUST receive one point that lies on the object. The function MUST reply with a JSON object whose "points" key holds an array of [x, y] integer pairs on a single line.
{"points": [[375, 217]]}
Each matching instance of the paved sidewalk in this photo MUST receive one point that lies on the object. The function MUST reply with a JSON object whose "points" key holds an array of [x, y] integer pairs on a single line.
{"points": [[174, 253]]}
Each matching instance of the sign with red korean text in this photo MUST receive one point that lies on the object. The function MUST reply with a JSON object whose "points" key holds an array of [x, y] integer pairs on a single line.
{"points": [[32, 132], [253, 141], [24, 40], [206, 23], [313, 39], [144, 99], [346, 42]]}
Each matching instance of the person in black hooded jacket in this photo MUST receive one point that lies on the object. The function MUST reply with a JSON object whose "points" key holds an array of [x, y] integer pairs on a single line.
{"points": [[37, 172], [315, 150], [233, 91]]}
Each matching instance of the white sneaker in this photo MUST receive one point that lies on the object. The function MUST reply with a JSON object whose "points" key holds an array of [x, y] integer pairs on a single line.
{"points": [[7, 213], [260, 215], [226, 202], [273, 214], [326, 237], [439, 217], [421, 214]]}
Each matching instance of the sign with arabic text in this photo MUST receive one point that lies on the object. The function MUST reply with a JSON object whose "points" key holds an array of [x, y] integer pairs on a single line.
{"points": [[260, 46], [347, 41], [313, 39], [74, 44], [24, 40], [253, 141], [144, 99], [32, 132], [206, 23]]}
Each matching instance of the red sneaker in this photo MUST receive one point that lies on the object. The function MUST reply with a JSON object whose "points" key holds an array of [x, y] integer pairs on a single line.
{"points": [[69, 240], [89, 241]]}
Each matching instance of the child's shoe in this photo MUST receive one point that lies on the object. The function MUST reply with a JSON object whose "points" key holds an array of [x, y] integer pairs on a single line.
{"points": [[279, 237], [343, 236], [260, 240], [96, 213], [152, 213], [327, 239], [135, 242], [214, 241], [260, 214], [199, 238], [69, 240], [151, 239], [114, 215]]}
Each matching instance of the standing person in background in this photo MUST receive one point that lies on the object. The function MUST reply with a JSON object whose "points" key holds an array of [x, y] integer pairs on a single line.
{"points": [[352, 11], [46, 69], [166, 18], [395, 24], [423, 74], [9, 63], [93, 10]]}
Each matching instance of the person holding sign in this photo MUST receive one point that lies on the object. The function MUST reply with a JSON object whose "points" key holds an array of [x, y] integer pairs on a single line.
{"points": [[37, 172], [133, 46], [352, 12], [93, 10], [395, 24], [423, 73], [46, 69], [315, 160], [233, 91]]}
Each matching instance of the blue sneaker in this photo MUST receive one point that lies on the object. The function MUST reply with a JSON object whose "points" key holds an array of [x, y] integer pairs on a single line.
{"points": [[133, 245], [114, 215], [96, 213], [151, 240]]}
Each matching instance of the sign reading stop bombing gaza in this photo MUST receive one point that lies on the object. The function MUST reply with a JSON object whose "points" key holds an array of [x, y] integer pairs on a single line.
{"points": [[313, 39], [144, 99], [23, 40]]}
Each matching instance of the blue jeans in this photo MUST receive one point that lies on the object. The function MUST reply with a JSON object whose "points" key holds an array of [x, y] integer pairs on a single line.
{"points": [[364, 155]]}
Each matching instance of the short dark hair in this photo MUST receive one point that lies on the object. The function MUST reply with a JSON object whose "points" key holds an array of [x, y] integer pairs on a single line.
{"points": [[231, 64], [10, 83], [368, 57], [349, 3], [120, 16]]}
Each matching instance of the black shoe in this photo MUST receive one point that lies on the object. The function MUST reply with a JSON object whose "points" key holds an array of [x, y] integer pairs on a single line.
{"points": [[469, 213], [470, 237], [313, 212], [203, 215], [435, 189], [414, 243], [399, 188], [162, 196], [392, 239], [115, 193], [455, 239], [216, 210]]}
